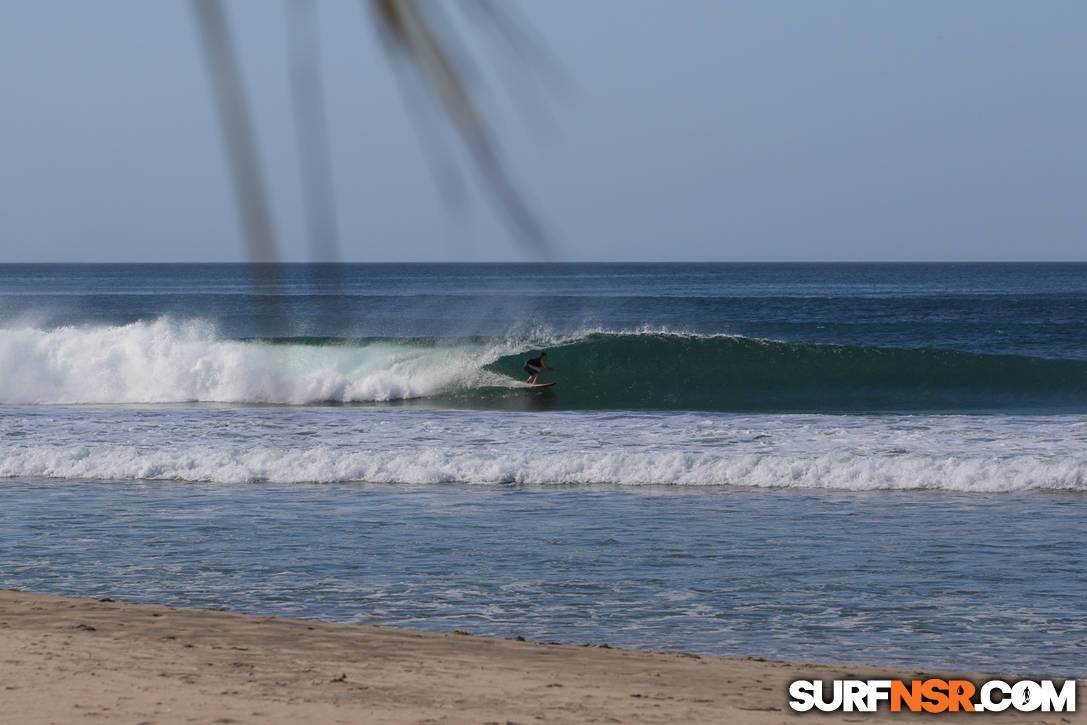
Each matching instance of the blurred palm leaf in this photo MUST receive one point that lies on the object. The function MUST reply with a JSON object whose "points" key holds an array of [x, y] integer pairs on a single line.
{"points": [[414, 30], [412, 27]]}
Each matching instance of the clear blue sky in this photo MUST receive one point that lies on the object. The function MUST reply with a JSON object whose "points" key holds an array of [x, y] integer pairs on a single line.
{"points": [[690, 130]]}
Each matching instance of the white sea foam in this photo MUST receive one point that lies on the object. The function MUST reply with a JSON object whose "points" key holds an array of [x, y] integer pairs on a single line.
{"points": [[430, 465], [951, 453], [166, 361]]}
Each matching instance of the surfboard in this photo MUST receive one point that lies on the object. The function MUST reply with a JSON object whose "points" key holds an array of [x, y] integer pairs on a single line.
{"points": [[542, 385]]}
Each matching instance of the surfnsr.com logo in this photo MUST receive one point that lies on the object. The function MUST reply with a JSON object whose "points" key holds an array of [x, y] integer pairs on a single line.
{"points": [[932, 695]]}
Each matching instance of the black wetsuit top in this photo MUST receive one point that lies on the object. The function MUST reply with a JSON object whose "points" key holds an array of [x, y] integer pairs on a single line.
{"points": [[534, 365]]}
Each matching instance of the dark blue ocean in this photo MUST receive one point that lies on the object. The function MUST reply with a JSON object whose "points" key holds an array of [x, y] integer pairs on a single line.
{"points": [[871, 463]]}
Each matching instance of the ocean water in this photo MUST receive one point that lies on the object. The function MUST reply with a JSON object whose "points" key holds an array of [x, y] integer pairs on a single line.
{"points": [[838, 462]]}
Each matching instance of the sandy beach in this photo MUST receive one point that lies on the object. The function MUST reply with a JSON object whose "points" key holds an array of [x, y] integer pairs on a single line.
{"points": [[82, 660]]}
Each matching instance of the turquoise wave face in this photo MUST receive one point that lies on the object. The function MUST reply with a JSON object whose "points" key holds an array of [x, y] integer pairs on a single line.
{"points": [[688, 372]]}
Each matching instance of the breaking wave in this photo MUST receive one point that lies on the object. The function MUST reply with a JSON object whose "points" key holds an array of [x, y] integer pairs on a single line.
{"points": [[166, 361]]}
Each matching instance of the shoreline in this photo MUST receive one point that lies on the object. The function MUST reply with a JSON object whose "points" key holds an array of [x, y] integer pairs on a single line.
{"points": [[70, 659]]}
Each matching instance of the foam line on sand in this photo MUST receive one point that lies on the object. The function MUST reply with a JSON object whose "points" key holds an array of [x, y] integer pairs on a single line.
{"points": [[69, 660]]}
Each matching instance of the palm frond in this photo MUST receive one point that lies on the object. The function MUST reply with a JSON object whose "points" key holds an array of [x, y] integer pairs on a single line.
{"points": [[409, 26], [410, 29], [236, 126], [314, 150]]}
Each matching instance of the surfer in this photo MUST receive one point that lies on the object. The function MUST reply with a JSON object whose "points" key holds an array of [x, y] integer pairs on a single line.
{"points": [[535, 366]]}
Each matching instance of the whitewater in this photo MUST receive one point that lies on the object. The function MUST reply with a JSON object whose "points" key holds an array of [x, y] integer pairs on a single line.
{"points": [[167, 361], [411, 446]]}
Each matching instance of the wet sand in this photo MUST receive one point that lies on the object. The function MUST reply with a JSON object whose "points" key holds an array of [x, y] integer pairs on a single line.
{"points": [[66, 660]]}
